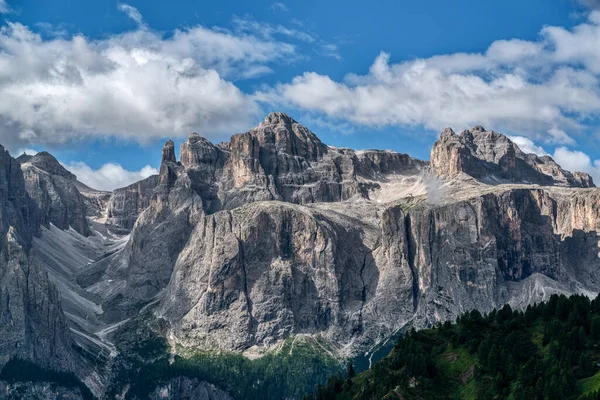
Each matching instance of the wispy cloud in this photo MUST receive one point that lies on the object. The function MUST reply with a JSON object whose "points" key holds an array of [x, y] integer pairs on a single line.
{"points": [[249, 25], [279, 7], [131, 12], [4, 8], [329, 50]]}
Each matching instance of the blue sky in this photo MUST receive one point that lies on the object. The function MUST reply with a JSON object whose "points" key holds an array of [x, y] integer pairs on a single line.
{"points": [[103, 84]]}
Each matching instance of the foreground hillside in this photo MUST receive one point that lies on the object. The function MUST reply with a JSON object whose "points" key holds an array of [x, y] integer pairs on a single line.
{"points": [[549, 351]]}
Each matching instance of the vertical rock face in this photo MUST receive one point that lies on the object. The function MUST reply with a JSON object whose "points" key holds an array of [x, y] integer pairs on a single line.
{"points": [[32, 325], [491, 156], [126, 204], [273, 270], [54, 192]]}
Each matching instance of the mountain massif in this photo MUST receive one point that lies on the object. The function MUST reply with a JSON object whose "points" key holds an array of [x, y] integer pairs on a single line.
{"points": [[276, 245]]}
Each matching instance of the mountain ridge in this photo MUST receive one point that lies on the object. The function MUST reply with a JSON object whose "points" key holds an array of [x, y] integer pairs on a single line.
{"points": [[242, 245]]}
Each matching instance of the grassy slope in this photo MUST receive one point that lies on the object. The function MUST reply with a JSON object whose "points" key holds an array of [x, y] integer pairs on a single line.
{"points": [[590, 385]]}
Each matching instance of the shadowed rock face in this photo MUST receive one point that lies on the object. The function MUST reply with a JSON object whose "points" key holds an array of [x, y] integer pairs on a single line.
{"points": [[488, 155], [32, 324]]}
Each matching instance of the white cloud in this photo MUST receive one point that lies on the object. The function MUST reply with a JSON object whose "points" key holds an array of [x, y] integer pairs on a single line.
{"points": [[542, 89], [110, 176], [574, 160], [528, 146], [4, 8], [131, 12], [559, 136], [137, 85], [29, 152]]}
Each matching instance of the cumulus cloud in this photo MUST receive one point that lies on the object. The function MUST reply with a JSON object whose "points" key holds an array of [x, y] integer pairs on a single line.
{"points": [[528, 146], [574, 160], [541, 88], [110, 176], [138, 85]]}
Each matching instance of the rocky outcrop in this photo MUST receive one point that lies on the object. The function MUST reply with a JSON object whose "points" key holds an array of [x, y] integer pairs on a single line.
{"points": [[54, 192], [278, 160], [314, 271], [492, 157]]}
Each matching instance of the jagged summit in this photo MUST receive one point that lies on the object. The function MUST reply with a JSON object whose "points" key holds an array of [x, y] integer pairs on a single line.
{"points": [[276, 118], [492, 157], [168, 152], [48, 163]]}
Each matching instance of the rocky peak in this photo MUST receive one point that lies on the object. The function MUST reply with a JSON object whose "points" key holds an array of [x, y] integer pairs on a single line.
{"points": [[46, 162], [198, 150], [278, 118], [478, 129], [491, 156], [168, 152], [447, 133], [282, 133], [55, 193]]}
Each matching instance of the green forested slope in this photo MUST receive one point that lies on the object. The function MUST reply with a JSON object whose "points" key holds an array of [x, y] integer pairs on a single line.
{"points": [[550, 351]]}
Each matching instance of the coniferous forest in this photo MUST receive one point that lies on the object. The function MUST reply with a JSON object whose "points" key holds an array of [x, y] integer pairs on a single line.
{"points": [[550, 351]]}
